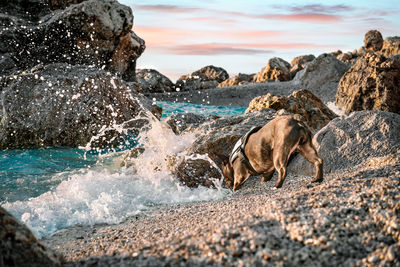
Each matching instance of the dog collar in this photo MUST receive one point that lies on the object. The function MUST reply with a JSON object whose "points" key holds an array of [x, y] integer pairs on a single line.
{"points": [[238, 149]]}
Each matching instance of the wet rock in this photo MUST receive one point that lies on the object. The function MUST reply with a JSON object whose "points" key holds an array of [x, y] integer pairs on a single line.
{"points": [[302, 102], [373, 83], [391, 46], [299, 63], [277, 69], [218, 137], [193, 172], [239, 79], [151, 81], [367, 137], [62, 4], [64, 105], [373, 40], [322, 76], [182, 121], [204, 78], [19, 247], [91, 32]]}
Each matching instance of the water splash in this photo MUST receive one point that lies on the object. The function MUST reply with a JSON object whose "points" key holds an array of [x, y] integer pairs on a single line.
{"points": [[106, 193]]}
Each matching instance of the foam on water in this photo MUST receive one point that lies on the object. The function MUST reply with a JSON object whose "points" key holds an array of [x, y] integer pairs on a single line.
{"points": [[106, 193]]}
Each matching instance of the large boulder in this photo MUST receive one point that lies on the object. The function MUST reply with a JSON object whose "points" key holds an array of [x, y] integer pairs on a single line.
{"points": [[363, 137], [322, 76], [373, 40], [239, 79], [151, 81], [277, 69], [372, 83], [204, 78], [19, 247], [194, 172], [302, 102], [299, 63], [391, 46], [64, 105], [91, 32]]}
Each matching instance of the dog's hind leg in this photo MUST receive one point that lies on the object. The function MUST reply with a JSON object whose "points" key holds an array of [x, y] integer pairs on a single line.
{"points": [[280, 164], [308, 151]]}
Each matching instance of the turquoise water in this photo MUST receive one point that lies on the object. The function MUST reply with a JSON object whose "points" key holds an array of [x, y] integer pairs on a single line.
{"points": [[54, 188], [170, 108]]}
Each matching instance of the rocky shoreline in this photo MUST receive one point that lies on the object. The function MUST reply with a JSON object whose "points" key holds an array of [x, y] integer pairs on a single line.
{"points": [[57, 87], [351, 219]]}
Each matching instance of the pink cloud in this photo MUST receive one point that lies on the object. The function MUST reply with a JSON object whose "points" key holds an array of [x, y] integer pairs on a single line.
{"points": [[310, 17], [215, 49]]}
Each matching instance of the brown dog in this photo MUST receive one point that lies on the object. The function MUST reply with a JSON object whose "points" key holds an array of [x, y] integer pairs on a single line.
{"points": [[268, 149]]}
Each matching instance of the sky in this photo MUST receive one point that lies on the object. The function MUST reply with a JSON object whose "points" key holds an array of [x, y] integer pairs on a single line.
{"points": [[240, 36]]}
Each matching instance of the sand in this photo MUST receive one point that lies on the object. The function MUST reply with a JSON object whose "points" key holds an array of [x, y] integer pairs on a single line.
{"points": [[351, 218]]}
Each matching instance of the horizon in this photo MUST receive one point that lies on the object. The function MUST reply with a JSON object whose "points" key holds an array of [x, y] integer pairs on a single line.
{"points": [[184, 36]]}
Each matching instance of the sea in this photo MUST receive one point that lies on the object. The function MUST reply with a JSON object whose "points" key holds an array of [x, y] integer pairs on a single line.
{"points": [[53, 188]]}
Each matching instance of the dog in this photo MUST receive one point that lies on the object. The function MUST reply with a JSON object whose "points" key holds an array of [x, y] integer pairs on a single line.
{"points": [[266, 149]]}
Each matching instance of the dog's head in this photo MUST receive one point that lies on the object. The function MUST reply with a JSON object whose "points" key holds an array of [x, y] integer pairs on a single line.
{"points": [[227, 171]]}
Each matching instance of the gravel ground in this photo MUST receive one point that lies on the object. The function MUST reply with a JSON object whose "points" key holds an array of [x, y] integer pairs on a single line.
{"points": [[351, 219]]}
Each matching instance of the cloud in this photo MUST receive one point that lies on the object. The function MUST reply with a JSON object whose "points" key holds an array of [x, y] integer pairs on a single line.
{"points": [[166, 8], [306, 17], [318, 8], [215, 49]]}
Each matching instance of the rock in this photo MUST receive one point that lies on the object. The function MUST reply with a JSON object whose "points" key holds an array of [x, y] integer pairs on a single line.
{"points": [[302, 102], [62, 4], [181, 121], [372, 83], [204, 78], [19, 247], [299, 63], [91, 32], [350, 140], [391, 46], [349, 57], [194, 172], [322, 76], [373, 40], [239, 79], [151, 81], [217, 137], [64, 105], [277, 69]]}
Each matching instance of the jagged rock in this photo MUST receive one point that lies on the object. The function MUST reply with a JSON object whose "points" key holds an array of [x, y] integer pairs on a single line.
{"points": [[372, 83], [299, 63], [302, 102], [361, 137], [194, 172], [151, 81], [277, 69], [181, 121], [218, 136], [64, 105], [350, 57], [239, 79], [28, 10], [322, 76], [19, 247], [204, 78], [391, 46], [62, 4], [91, 32], [373, 40]]}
